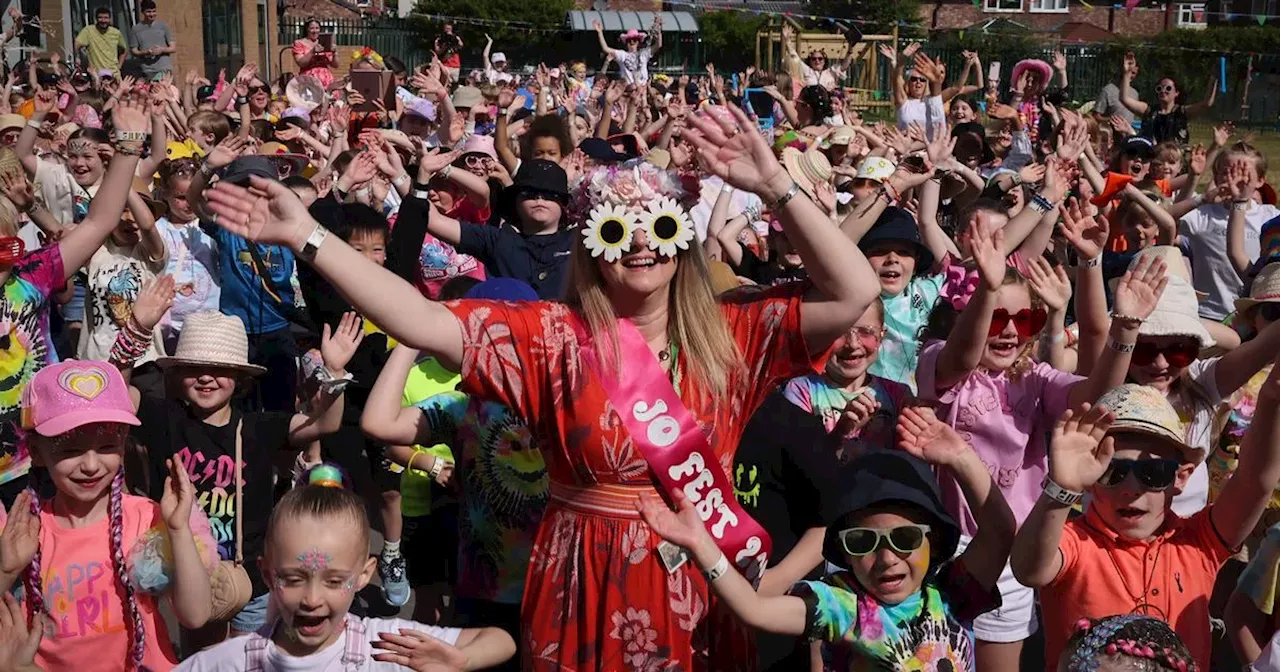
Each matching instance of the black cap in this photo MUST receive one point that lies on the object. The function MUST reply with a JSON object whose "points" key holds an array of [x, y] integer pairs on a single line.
{"points": [[206, 92], [884, 477], [896, 224], [601, 151], [244, 167], [1139, 147]]}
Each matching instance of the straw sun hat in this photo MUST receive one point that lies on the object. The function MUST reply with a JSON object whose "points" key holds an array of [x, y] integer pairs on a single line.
{"points": [[1265, 288], [212, 339]]}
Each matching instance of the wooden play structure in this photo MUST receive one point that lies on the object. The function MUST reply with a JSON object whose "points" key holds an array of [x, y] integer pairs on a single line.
{"points": [[862, 82]]}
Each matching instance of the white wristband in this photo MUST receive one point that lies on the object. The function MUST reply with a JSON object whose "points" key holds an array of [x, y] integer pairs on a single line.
{"points": [[717, 570], [437, 466]]}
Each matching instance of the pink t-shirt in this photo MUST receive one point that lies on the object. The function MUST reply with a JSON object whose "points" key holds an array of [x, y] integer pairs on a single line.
{"points": [[1006, 421], [86, 601]]}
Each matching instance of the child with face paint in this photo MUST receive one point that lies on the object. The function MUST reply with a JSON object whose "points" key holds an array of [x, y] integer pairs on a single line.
{"points": [[894, 541], [93, 560], [315, 560]]}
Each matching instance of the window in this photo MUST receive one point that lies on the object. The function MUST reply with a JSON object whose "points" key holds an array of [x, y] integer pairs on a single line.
{"points": [[1048, 5], [223, 37], [1003, 5], [1191, 15]]}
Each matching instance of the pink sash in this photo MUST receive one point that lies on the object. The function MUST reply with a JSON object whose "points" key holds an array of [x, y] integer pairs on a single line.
{"points": [[679, 456]]}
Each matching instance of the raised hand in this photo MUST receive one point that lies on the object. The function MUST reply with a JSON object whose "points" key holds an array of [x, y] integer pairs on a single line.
{"points": [[266, 212], [1130, 62], [987, 247], [132, 116], [21, 536], [18, 641], [337, 348], [1059, 60], [1050, 283], [1078, 453], [18, 189], [941, 148], [1222, 134], [226, 151], [923, 435], [856, 414], [154, 300], [1140, 288], [1032, 173], [1085, 233], [1240, 179], [1001, 111], [175, 503], [911, 49], [889, 53], [419, 652], [434, 161], [730, 147], [682, 527], [1198, 161]]}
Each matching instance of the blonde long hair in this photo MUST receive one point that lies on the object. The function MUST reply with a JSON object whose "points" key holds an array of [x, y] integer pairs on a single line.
{"points": [[695, 321]]}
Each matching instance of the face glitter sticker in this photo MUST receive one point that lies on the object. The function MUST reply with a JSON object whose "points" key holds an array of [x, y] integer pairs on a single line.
{"points": [[349, 585], [314, 560]]}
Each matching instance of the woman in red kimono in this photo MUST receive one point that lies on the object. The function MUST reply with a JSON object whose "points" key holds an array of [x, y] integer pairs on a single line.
{"points": [[598, 596]]}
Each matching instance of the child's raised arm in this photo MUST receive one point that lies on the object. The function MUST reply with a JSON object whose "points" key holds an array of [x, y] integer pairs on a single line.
{"points": [[384, 419], [190, 592], [1078, 456], [1245, 495], [337, 346], [784, 614], [962, 352], [923, 435]]}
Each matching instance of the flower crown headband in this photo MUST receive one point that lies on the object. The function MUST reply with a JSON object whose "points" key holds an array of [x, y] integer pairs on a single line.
{"points": [[618, 200]]}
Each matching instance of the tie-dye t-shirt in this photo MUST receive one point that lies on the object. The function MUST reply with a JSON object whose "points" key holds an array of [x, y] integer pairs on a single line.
{"points": [[504, 491], [426, 379], [904, 315], [1234, 415], [815, 394], [193, 263], [931, 630], [24, 345]]}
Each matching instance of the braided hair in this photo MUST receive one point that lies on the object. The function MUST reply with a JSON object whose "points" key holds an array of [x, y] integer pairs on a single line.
{"points": [[1140, 643], [33, 587]]}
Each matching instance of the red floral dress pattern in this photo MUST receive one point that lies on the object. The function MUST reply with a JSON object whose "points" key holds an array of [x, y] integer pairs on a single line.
{"points": [[597, 596]]}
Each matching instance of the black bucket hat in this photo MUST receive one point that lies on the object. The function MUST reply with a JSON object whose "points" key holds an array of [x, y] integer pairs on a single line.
{"points": [[897, 224], [538, 175], [884, 477]]}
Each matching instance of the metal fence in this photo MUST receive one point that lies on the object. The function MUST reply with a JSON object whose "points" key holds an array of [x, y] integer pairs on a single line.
{"points": [[388, 37]]}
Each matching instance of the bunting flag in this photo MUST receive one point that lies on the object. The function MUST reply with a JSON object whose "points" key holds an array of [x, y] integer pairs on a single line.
{"points": [[1262, 18], [1129, 5], [1087, 7]]}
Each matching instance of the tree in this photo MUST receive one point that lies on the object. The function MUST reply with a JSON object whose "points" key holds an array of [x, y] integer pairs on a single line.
{"points": [[518, 15], [880, 15], [729, 38]]}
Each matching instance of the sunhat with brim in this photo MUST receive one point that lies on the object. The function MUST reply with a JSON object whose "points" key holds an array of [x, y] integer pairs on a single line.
{"points": [[807, 168], [633, 34], [897, 225], [279, 153], [479, 144], [881, 478], [1265, 288], [1141, 409], [843, 135], [1177, 314], [498, 57], [71, 394], [1175, 265], [12, 121], [875, 168], [143, 188], [467, 97], [212, 339], [1034, 64]]}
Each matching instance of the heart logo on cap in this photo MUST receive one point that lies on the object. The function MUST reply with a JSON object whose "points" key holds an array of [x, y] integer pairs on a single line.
{"points": [[84, 383]]}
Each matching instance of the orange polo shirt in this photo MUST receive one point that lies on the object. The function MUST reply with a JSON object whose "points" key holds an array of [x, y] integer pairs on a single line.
{"points": [[1103, 574]]}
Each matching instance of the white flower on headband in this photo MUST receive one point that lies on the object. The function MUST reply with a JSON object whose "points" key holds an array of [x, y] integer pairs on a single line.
{"points": [[608, 231], [667, 226]]}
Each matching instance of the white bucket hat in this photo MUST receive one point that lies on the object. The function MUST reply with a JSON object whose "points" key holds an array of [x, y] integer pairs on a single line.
{"points": [[1175, 264], [876, 168], [212, 339], [1177, 313]]}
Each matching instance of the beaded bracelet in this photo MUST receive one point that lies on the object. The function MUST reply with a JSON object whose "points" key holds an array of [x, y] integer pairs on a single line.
{"points": [[128, 348], [130, 147]]}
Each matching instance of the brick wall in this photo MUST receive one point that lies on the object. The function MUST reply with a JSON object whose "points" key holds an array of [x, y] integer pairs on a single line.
{"points": [[321, 9], [949, 16], [184, 20]]}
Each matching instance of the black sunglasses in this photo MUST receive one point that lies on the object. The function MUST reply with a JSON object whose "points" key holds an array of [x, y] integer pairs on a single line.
{"points": [[917, 79], [1152, 473], [532, 194], [1269, 311], [258, 89]]}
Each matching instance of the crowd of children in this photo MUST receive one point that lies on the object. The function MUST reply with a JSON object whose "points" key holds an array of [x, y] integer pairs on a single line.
{"points": [[615, 371]]}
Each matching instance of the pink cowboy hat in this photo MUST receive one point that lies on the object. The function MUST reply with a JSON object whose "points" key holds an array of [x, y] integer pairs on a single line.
{"points": [[1034, 64], [633, 34]]}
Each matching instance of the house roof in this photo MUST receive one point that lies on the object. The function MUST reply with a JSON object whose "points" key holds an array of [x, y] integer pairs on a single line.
{"points": [[1082, 31]]}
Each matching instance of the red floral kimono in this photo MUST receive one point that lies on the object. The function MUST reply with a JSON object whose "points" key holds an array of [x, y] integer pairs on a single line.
{"points": [[597, 596]]}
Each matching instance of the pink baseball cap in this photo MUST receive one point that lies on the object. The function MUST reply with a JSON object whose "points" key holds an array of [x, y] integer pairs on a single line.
{"points": [[75, 393], [479, 144]]}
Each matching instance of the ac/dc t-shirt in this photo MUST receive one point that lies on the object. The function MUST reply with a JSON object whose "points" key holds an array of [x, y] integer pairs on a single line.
{"points": [[168, 430]]}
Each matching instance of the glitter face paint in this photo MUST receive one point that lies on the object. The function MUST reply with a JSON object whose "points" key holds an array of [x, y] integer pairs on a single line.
{"points": [[314, 560]]}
